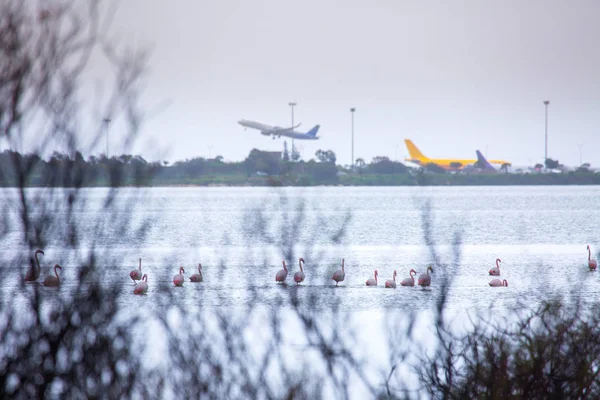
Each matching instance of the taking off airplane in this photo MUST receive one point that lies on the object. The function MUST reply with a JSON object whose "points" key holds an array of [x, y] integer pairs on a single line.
{"points": [[447, 163], [279, 132]]}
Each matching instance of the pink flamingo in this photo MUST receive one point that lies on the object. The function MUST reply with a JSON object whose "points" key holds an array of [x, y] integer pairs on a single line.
{"points": [[141, 287], [51, 280], [498, 282], [495, 271], [339, 275], [34, 273], [299, 276], [282, 273], [593, 264], [391, 283], [371, 281], [197, 277], [425, 279], [136, 274], [410, 281], [178, 279]]}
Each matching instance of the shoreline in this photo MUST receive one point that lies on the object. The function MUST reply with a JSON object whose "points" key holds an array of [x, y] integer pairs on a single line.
{"points": [[304, 180]]}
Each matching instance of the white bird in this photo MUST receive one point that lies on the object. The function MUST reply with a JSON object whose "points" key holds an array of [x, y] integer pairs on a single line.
{"points": [[391, 283], [282, 273], [592, 264], [142, 286], [53, 281], [425, 279], [372, 281], [409, 281], [34, 273], [339, 275], [299, 276], [136, 274], [197, 277], [495, 271], [498, 282], [178, 279]]}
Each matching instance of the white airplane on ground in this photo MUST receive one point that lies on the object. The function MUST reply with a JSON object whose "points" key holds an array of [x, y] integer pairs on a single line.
{"points": [[277, 131]]}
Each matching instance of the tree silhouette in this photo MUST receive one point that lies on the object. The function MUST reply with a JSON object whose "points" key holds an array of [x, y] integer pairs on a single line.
{"points": [[432, 167], [551, 164], [326, 156], [286, 154], [295, 154]]}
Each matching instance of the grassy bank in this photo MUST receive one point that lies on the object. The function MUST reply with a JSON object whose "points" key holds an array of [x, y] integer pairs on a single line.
{"points": [[572, 178]]}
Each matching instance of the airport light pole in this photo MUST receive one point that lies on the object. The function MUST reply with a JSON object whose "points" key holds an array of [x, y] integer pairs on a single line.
{"points": [[292, 104], [106, 124], [546, 102], [352, 109]]}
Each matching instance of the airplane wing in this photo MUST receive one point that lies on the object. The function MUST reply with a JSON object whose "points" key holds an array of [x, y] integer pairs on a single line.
{"points": [[276, 130]]}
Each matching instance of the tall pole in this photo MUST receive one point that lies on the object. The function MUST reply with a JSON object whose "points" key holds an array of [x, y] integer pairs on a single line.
{"points": [[580, 162], [292, 104], [106, 122], [546, 102], [352, 113]]}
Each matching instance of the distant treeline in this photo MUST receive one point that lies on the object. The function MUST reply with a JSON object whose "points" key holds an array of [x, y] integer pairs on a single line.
{"points": [[260, 168]]}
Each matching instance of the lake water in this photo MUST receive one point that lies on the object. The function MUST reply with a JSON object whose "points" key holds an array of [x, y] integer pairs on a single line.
{"points": [[241, 235]]}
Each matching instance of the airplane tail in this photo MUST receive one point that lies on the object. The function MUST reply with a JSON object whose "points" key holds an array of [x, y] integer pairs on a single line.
{"points": [[414, 152], [483, 163], [313, 131]]}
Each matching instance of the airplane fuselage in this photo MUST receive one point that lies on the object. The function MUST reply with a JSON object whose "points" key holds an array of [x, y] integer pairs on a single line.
{"points": [[276, 131], [260, 126], [449, 163]]}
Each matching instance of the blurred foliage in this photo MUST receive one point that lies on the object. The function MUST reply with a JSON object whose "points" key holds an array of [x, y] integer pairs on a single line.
{"points": [[86, 340], [552, 352]]}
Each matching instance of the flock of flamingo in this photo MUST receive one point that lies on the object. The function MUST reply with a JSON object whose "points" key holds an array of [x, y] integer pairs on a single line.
{"points": [[142, 286], [338, 276]]}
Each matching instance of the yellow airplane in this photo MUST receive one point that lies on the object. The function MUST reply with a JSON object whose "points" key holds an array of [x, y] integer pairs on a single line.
{"points": [[452, 164]]}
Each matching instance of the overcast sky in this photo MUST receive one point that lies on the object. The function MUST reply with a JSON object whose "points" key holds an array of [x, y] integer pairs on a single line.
{"points": [[453, 76]]}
